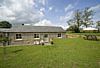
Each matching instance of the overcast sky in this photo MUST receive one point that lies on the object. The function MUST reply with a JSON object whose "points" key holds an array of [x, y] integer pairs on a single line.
{"points": [[44, 12]]}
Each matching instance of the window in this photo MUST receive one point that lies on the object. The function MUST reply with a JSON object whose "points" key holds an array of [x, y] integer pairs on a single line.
{"points": [[45, 35], [18, 36], [59, 35], [1, 35], [36, 35]]}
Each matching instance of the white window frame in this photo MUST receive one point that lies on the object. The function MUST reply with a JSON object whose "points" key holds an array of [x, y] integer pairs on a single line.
{"points": [[36, 36], [18, 36], [60, 35]]}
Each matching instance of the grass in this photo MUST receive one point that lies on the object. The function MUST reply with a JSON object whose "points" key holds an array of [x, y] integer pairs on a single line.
{"points": [[65, 53]]}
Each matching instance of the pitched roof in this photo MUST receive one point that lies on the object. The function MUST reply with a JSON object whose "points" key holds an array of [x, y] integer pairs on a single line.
{"points": [[33, 29]]}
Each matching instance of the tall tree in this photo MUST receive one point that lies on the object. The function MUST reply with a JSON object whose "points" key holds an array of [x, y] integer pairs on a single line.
{"points": [[98, 25], [5, 24], [87, 17], [75, 23]]}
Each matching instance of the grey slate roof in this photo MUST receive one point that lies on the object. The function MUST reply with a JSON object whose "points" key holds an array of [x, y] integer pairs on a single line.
{"points": [[33, 29]]}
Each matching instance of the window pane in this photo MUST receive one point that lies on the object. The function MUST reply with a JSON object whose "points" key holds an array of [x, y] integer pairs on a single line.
{"points": [[59, 35], [36, 35], [46, 35], [18, 36]]}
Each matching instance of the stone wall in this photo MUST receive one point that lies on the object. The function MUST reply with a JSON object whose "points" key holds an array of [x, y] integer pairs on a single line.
{"points": [[28, 38]]}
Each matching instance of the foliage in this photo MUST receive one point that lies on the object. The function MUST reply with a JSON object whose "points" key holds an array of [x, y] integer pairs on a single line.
{"points": [[81, 18], [98, 25], [70, 29], [5, 24], [75, 23], [87, 17], [64, 53], [4, 40], [73, 28]]}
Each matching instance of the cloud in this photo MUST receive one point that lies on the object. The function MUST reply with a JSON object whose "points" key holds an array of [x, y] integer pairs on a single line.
{"points": [[43, 2], [20, 11], [96, 9], [42, 9], [67, 17], [44, 22], [50, 8], [69, 7], [41, 13], [5, 13]]}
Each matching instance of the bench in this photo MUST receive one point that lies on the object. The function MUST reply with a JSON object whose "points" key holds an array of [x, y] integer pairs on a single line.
{"points": [[90, 37]]}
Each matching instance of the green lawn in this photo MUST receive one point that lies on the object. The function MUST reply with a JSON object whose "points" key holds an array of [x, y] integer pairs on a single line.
{"points": [[65, 53]]}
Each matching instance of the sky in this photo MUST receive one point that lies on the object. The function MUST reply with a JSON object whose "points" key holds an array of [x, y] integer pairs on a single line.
{"points": [[45, 12]]}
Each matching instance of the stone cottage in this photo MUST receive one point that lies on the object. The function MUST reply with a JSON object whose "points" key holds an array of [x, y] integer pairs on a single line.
{"points": [[25, 35]]}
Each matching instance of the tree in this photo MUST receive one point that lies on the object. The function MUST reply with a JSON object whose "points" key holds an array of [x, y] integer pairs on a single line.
{"points": [[73, 28], [4, 40], [5, 24], [87, 17], [75, 23], [80, 18], [98, 25]]}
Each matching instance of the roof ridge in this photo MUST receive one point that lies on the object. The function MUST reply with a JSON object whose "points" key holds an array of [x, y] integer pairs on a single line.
{"points": [[36, 29]]}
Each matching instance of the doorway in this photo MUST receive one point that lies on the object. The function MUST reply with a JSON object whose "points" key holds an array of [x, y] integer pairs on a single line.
{"points": [[46, 38]]}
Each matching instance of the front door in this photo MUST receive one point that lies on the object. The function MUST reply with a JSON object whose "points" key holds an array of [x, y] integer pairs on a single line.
{"points": [[46, 38]]}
